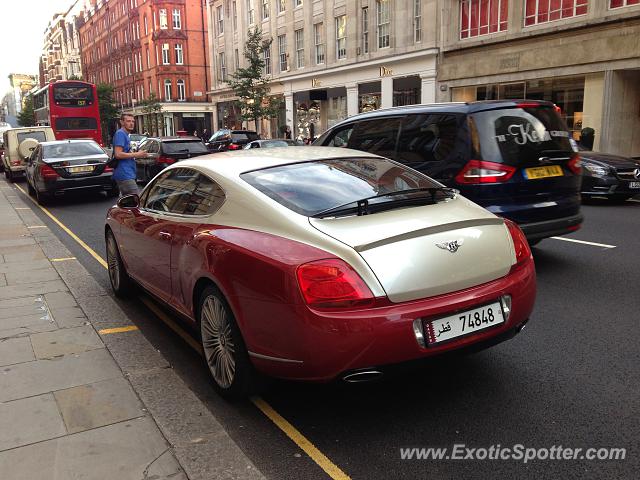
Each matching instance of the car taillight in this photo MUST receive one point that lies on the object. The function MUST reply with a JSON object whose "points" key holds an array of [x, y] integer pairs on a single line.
{"points": [[233, 146], [166, 160], [574, 164], [332, 284], [520, 243], [48, 173], [107, 168], [479, 171]]}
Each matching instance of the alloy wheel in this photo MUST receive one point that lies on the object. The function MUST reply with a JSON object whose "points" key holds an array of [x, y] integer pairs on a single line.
{"points": [[217, 341], [113, 262]]}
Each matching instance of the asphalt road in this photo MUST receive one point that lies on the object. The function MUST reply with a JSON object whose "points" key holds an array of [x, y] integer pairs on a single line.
{"points": [[571, 378]]}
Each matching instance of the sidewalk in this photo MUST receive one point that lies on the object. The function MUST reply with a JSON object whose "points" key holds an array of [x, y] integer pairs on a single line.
{"points": [[77, 404]]}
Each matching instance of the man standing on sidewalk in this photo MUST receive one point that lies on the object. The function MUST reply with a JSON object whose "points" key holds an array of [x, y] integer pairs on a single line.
{"points": [[125, 173]]}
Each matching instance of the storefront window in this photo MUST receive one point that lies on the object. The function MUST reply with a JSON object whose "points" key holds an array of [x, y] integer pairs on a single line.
{"points": [[337, 109], [369, 96], [307, 120], [406, 91], [542, 11], [229, 115]]}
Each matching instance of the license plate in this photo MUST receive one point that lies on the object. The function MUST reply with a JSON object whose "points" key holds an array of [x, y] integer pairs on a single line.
{"points": [[464, 323], [543, 172], [82, 169], [634, 184]]}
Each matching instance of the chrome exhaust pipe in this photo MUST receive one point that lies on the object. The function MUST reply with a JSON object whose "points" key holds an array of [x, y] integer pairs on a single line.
{"points": [[362, 376]]}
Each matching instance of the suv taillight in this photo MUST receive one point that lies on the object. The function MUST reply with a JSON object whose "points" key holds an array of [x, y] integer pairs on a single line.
{"points": [[167, 160], [48, 173], [574, 164], [479, 171], [520, 243], [332, 284]]}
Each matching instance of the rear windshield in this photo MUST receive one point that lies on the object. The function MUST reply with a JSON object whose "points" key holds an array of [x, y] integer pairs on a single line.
{"points": [[39, 136], [80, 149], [244, 137], [184, 147], [312, 187], [520, 135]]}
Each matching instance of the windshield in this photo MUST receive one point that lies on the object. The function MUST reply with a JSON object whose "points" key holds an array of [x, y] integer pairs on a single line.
{"points": [[520, 135], [62, 150], [73, 95], [185, 147], [312, 187]]}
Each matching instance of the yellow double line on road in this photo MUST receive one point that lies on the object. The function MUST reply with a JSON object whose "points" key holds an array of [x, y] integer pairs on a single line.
{"points": [[293, 433]]}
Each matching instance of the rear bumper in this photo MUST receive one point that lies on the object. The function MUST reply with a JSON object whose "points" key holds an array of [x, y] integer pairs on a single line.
{"points": [[327, 345], [62, 185], [550, 228]]}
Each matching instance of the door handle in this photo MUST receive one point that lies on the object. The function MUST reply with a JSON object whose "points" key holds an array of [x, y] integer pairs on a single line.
{"points": [[165, 235]]}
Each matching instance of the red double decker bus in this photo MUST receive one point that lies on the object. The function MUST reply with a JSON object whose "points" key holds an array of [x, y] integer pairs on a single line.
{"points": [[70, 108]]}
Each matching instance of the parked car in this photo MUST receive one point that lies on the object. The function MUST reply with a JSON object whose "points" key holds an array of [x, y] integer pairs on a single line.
{"points": [[1, 155], [226, 139], [61, 166], [19, 144], [164, 151], [320, 263], [136, 139], [514, 158], [611, 176], [272, 143]]}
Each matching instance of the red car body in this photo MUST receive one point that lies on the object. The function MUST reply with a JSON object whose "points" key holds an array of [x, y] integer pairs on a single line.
{"points": [[256, 272]]}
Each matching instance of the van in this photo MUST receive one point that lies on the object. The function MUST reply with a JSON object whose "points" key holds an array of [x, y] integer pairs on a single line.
{"points": [[19, 143], [515, 158]]}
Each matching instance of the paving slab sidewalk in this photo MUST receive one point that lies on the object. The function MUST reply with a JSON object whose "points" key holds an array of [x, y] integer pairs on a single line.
{"points": [[68, 407]]}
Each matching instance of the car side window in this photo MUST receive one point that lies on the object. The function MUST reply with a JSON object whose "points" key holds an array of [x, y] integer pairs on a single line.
{"points": [[206, 198], [171, 191], [340, 138], [153, 147], [430, 140], [144, 146], [378, 136]]}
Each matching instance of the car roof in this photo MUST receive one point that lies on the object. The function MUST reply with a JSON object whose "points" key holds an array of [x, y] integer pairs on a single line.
{"points": [[60, 142], [175, 138], [232, 164], [446, 107]]}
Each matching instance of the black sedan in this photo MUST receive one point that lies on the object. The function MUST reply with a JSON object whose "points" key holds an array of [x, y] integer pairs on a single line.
{"points": [[61, 166], [164, 151], [226, 139], [611, 176]]}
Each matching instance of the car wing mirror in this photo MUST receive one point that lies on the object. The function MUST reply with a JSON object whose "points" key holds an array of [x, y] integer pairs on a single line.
{"points": [[129, 201]]}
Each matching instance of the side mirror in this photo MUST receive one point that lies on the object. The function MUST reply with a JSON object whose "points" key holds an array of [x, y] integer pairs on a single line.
{"points": [[129, 201]]}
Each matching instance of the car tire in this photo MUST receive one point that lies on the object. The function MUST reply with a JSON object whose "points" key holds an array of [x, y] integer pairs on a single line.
{"points": [[225, 354], [30, 189], [41, 198], [120, 281], [9, 175]]}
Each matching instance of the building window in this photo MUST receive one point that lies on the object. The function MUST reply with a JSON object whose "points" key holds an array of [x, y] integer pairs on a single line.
{"points": [[148, 59], [297, 3], [265, 9], [318, 38], [622, 3], [542, 11], [417, 21], [365, 30], [341, 37], [165, 54], [222, 72], [282, 50], [382, 10], [181, 91], [251, 13], [219, 15], [163, 19], [282, 5], [236, 59], [234, 15], [267, 60], [299, 48], [167, 90], [177, 19], [482, 17], [179, 56]]}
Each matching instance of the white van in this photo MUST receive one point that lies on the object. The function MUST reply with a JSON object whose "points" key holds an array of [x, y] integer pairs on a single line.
{"points": [[19, 143]]}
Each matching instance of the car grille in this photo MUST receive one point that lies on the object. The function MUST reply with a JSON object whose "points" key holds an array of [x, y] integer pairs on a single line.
{"points": [[626, 174]]}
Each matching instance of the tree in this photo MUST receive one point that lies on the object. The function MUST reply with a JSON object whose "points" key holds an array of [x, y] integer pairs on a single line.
{"points": [[108, 110], [74, 77], [151, 107], [251, 85], [27, 118]]}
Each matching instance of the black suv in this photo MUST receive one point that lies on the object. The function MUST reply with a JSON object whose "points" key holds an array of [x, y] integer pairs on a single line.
{"points": [[225, 139], [515, 158], [163, 151]]}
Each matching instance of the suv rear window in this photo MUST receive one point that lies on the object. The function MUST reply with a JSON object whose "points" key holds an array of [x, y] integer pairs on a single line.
{"points": [[312, 187], [517, 136], [184, 147], [39, 136]]}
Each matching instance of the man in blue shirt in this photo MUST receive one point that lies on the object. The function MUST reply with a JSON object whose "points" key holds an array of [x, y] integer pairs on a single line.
{"points": [[125, 173]]}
